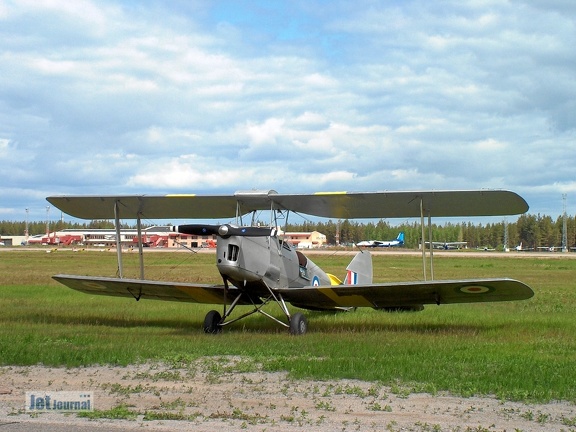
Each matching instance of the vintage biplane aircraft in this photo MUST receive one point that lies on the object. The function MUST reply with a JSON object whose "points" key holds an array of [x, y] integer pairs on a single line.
{"points": [[257, 267]]}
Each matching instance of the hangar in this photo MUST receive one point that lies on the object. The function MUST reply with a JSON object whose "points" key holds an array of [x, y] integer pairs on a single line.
{"points": [[155, 236]]}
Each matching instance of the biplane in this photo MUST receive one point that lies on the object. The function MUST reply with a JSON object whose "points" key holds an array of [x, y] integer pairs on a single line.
{"points": [[257, 267]]}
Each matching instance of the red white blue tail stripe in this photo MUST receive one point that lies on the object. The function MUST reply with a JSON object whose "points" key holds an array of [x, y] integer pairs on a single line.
{"points": [[351, 278]]}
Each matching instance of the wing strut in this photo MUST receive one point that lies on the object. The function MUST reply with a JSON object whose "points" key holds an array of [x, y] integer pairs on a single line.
{"points": [[140, 251], [431, 245], [226, 288], [423, 242], [118, 240], [423, 245]]}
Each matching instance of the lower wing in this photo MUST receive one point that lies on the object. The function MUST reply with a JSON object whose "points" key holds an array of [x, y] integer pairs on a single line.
{"points": [[380, 295], [384, 295], [154, 290]]}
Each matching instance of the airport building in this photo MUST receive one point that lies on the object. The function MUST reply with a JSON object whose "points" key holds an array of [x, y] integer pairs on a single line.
{"points": [[157, 237], [306, 240]]}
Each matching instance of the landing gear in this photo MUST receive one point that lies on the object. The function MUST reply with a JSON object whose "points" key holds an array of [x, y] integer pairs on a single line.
{"points": [[298, 324], [212, 322]]}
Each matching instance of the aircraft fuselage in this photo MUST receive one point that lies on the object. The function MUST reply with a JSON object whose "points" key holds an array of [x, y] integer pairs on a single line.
{"points": [[254, 263]]}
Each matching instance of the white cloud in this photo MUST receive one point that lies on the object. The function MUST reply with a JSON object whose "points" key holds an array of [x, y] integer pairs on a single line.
{"points": [[363, 96], [4, 147], [186, 173], [266, 133]]}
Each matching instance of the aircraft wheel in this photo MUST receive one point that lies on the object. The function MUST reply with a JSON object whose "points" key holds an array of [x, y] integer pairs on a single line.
{"points": [[212, 322], [298, 324]]}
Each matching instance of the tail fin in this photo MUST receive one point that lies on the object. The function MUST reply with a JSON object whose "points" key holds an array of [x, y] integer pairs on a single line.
{"points": [[359, 271], [400, 237]]}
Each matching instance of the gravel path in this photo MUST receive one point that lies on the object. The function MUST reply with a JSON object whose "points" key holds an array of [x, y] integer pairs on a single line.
{"points": [[211, 393]]}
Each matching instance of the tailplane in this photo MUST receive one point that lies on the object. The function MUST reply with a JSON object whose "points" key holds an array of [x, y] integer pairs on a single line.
{"points": [[400, 237], [359, 271]]}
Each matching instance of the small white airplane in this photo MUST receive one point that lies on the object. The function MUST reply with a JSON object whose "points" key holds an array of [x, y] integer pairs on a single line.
{"points": [[550, 248], [447, 245], [398, 241], [257, 267], [521, 248]]}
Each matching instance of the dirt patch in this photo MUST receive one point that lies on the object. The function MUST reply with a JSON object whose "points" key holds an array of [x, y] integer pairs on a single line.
{"points": [[232, 394]]}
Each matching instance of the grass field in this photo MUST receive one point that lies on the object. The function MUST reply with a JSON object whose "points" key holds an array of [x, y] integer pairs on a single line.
{"points": [[518, 350]]}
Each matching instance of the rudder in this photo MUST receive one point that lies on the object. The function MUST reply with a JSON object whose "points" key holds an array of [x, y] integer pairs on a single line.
{"points": [[359, 271]]}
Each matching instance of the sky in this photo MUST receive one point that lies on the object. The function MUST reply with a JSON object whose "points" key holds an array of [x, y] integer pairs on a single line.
{"points": [[213, 96]]}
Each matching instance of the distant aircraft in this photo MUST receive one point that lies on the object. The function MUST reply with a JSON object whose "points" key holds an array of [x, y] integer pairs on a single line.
{"points": [[399, 241], [521, 248], [447, 245], [257, 267], [550, 248]]}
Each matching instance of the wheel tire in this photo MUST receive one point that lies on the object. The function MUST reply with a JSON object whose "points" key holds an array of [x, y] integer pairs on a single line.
{"points": [[298, 324], [212, 322]]}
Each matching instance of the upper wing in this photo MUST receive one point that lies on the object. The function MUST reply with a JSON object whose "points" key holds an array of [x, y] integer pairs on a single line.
{"points": [[342, 205], [408, 293], [152, 207], [352, 205], [154, 290]]}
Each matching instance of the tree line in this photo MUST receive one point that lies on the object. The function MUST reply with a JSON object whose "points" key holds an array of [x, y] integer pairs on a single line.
{"points": [[14, 228], [532, 231]]}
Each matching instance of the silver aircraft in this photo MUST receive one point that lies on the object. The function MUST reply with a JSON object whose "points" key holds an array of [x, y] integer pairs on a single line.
{"points": [[258, 267], [398, 241]]}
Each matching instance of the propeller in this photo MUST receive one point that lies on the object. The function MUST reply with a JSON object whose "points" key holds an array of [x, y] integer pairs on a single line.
{"points": [[197, 229], [224, 231]]}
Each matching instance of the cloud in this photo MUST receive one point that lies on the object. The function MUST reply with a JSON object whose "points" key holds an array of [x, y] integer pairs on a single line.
{"points": [[145, 97], [187, 172]]}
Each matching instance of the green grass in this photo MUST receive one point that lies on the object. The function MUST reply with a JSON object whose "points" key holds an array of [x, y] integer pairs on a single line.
{"points": [[516, 350]]}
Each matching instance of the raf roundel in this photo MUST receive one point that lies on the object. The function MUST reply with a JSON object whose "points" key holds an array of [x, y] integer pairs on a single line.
{"points": [[316, 281], [475, 289]]}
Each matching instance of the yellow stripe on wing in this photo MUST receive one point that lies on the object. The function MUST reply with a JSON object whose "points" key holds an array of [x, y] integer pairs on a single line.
{"points": [[201, 295], [346, 301]]}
